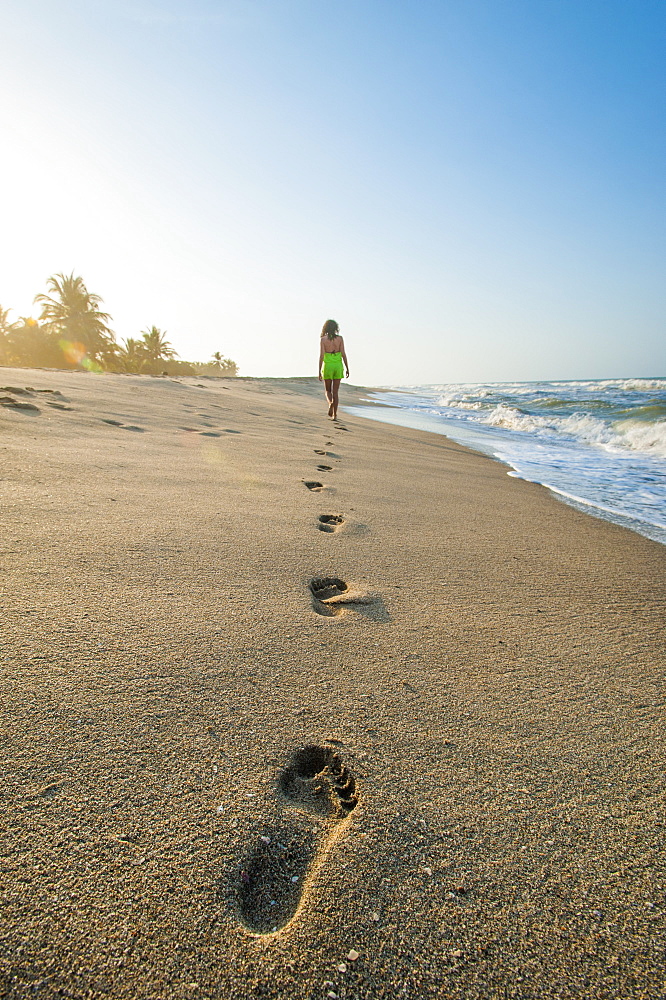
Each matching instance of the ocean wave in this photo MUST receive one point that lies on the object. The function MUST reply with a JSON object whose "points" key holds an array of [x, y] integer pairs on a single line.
{"points": [[462, 404], [641, 436], [619, 384], [635, 384], [631, 434], [560, 403], [582, 426], [623, 415], [651, 411]]}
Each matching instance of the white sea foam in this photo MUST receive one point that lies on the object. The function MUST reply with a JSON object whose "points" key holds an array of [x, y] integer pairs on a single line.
{"points": [[633, 384], [640, 436], [623, 434]]}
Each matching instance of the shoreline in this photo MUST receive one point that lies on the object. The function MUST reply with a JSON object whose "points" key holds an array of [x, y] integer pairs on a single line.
{"points": [[488, 668], [469, 438]]}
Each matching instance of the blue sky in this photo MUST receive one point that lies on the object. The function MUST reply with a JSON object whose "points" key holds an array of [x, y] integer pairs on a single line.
{"points": [[474, 189]]}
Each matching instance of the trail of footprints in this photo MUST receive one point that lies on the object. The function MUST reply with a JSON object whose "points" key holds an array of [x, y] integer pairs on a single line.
{"points": [[21, 403], [317, 790], [23, 399]]}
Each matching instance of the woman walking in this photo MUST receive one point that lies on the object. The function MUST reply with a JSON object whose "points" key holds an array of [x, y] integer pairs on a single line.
{"points": [[331, 356]]}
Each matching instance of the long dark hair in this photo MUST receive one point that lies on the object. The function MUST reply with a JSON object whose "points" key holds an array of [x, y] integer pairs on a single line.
{"points": [[330, 329]]}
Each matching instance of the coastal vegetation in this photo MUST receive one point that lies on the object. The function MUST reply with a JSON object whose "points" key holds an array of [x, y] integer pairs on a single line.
{"points": [[71, 331]]}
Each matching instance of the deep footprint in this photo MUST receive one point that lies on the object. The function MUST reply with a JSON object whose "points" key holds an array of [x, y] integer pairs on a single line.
{"points": [[317, 780], [18, 404], [322, 590], [318, 785], [325, 587], [313, 485], [330, 596], [319, 451], [324, 468], [330, 522]]}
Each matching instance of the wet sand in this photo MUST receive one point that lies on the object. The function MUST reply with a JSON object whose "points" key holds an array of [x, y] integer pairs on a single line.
{"points": [[422, 738]]}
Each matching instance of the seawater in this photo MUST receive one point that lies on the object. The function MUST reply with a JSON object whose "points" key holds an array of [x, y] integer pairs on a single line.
{"points": [[599, 445]]}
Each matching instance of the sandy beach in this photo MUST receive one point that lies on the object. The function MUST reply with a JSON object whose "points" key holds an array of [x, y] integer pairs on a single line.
{"points": [[414, 749]]}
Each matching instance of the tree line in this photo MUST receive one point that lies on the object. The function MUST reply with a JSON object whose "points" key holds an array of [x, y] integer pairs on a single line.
{"points": [[71, 331]]}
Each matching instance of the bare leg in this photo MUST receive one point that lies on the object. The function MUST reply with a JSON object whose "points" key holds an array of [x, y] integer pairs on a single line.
{"points": [[334, 392], [328, 383]]}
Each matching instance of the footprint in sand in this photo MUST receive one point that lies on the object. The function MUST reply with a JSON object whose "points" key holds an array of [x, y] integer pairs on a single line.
{"points": [[330, 596], [319, 451], [323, 588], [324, 468], [312, 485], [16, 390], [18, 404], [321, 792], [330, 522], [125, 427]]}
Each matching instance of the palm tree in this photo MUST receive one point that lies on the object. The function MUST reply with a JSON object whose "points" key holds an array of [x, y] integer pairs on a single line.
{"points": [[132, 355], [6, 328], [72, 314], [5, 325], [222, 365], [155, 345], [27, 344]]}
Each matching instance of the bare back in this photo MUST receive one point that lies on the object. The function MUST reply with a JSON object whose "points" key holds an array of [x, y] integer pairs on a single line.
{"points": [[331, 345]]}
